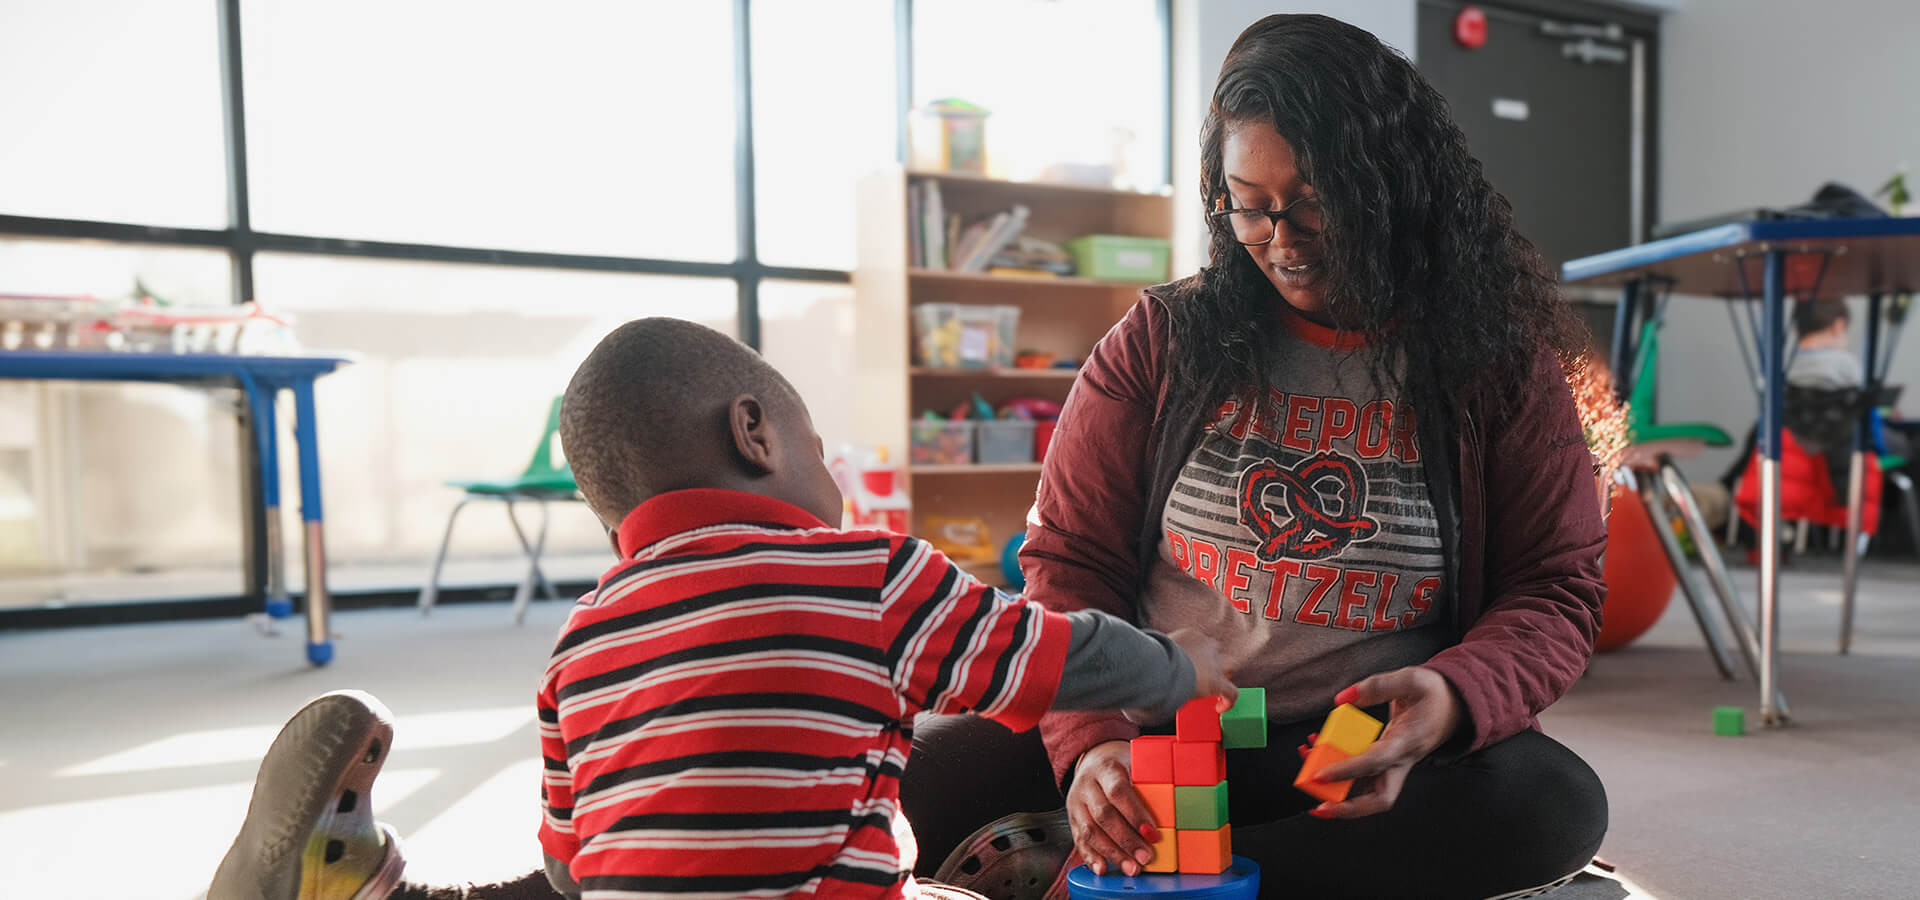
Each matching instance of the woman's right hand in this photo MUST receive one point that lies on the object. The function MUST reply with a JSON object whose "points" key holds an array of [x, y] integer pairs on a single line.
{"points": [[1112, 826]]}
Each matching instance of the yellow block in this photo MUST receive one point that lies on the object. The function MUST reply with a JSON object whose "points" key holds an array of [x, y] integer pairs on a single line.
{"points": [[1349, 729], [1166, 854]]}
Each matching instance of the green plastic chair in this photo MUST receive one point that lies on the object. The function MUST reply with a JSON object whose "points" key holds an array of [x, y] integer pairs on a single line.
{"points": [[543, 482], [1641, 429]]}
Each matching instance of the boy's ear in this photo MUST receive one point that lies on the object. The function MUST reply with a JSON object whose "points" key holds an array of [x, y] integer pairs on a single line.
{"points": [[752, 433]]}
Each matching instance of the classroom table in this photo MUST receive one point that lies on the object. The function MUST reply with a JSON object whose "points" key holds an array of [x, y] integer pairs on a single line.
{"points": [[1830, 257], [260, 378]]}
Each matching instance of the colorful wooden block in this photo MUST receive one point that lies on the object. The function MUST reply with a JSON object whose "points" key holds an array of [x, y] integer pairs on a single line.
{"points": [[1151, 759], [1161, 799], [1322, 755], [1206, 851], [1349, 729], [1244, 726], [1166, 853], [1729, 721], [1199, 763], [1202, 807], [1198, 720]]}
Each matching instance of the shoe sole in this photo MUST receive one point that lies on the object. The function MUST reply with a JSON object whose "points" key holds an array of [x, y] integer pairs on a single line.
{"points": [[335, 743]]}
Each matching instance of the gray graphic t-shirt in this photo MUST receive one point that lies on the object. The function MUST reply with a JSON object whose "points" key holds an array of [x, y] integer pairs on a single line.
{"points": [[1300, 533]]}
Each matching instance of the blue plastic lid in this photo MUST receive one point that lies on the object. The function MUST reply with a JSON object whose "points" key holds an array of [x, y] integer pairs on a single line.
{"points": [[1241, 881]]}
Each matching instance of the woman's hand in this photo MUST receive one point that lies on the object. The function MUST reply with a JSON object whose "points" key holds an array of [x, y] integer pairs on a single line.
{"points": [[1424, 713], [1112, 826]]}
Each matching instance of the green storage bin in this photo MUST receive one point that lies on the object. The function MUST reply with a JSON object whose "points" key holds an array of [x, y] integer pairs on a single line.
{"points": [[1119, 257]]}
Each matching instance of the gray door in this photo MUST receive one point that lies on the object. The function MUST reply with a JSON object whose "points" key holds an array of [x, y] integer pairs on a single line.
{"points": [[1548, 105]]}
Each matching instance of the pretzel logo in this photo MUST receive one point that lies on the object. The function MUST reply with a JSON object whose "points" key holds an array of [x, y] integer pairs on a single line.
{"points": [[1313, 531]]}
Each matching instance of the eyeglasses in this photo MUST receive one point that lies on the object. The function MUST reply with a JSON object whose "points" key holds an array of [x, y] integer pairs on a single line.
{"points": [[1257, 227]]}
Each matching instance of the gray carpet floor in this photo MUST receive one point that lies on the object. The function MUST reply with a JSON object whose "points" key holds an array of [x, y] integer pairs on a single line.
{"points": [[129, 751]]}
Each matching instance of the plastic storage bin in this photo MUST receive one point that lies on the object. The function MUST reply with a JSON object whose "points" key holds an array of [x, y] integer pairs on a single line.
{"points": [[937, 442], [1003, 441], [1116, 257], [955, 336]]}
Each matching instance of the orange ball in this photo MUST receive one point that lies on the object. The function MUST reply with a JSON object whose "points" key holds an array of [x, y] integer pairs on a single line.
{"points": [[1640, 581]]}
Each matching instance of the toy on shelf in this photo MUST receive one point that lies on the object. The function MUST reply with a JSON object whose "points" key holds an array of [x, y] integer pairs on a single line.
{"points": [[961, 538], [1183, 778], [871, 490], [1347, 733]]}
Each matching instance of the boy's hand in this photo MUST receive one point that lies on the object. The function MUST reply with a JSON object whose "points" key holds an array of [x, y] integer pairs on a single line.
{"points": [[1210, 675], [1112, 825]]}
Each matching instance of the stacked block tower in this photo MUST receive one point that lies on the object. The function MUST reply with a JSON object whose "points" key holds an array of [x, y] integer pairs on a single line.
{"points": [[1183, 778]]}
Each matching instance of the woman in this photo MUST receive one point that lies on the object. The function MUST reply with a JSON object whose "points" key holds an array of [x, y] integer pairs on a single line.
{"points": [[1347, 451]]}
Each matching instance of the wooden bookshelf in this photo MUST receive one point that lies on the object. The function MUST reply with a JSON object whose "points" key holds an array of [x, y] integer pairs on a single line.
{"points": [[1063, 316]]}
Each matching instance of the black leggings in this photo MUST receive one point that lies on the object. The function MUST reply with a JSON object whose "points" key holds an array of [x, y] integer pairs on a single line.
{"points": [[1520, 813]]}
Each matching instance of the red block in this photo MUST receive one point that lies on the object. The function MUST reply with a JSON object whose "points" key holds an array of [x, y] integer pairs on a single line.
{"points": [[1198, 720], [1151, 759], [1322, 755], [1199, 763]]}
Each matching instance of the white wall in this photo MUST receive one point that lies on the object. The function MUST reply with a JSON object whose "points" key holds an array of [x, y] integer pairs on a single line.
{"points": [[1760, 103]]}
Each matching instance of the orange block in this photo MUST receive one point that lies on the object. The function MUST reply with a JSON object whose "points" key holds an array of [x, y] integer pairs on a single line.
{"points": [[1166, 853], [1159, 798], [1206, 852], [1322, 755]]}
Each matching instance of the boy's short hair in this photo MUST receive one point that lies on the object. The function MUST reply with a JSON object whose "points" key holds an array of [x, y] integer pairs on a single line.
{"points": [[646, 411], [1814, 316]]}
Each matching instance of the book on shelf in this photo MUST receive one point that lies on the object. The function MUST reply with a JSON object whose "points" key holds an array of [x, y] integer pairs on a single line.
{"points": [[933, 221], [999, 232], [941, 239], [916, 236]]}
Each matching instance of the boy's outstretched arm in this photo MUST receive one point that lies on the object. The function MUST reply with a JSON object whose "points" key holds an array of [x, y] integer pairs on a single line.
{"points": [[1113, 665], [954, 645]]}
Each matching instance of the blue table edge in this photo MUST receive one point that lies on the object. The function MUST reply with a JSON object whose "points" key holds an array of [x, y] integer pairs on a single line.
{"points": [[1720, 237]]}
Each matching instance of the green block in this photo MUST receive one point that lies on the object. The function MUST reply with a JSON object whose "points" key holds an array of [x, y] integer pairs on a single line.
{"points": [[1244, 727], [1200, 808], [1729, 721]]}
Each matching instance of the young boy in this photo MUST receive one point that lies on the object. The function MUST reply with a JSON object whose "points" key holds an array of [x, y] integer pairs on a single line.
{"points": [[730, 712]]}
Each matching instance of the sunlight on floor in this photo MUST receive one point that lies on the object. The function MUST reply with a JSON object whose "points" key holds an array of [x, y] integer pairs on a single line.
{"points": [[487, 836], [199, 748], [168, 842]]}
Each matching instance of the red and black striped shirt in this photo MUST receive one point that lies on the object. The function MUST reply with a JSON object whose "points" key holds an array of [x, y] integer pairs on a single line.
{"points": [[729, 713]]}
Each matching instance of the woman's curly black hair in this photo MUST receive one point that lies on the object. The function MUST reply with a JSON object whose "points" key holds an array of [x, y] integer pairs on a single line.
{"points": [[1421, 253]]}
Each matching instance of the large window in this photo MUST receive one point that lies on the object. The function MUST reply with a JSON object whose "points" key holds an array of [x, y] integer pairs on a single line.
{"points": [[465, 195], [110, 110], [495, 124]]}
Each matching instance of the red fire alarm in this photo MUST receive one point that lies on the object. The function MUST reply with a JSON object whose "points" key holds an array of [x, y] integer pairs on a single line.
{"points": [[1470, 28]]}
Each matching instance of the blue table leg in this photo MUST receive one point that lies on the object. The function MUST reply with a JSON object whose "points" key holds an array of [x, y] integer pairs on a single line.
{"points": [[266, 425], [319, 636], [1772, 409]]}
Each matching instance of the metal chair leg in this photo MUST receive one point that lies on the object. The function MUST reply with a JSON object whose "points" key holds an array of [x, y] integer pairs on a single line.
{"points": [[1683, 572], [431, 591], [523, 595], [1681, 496], [1856, 545], [1800, 537]]}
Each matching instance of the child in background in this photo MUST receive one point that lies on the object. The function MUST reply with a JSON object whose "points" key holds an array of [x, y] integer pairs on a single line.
{"points": [[730, 712], [1823, 360]]}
